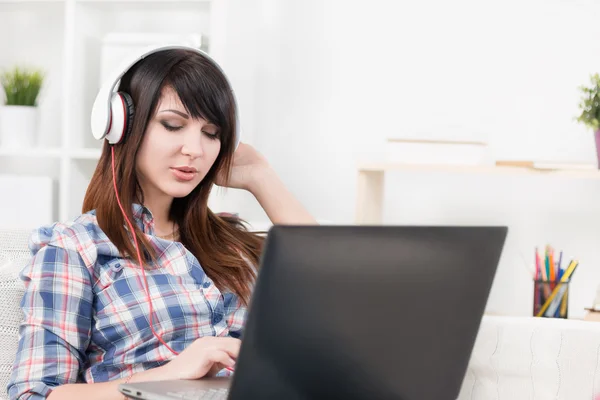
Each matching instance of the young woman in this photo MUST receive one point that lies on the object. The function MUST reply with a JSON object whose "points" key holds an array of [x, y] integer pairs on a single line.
{"points": [[95, 317]]}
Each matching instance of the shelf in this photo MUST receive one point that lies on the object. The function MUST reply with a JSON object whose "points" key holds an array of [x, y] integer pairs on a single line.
{"points": [[147, 5], [30, 1], [78, 154], [369, 208], [479, 169], [85, 154], [31, 152], [32, 35], [166, 2]]}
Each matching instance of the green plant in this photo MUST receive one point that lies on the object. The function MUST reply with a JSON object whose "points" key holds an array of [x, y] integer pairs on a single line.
{"points": [[21, 86], [590, 103]]}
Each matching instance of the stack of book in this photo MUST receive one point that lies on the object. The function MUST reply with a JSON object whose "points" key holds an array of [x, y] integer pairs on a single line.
{"points": [[425, 151]]}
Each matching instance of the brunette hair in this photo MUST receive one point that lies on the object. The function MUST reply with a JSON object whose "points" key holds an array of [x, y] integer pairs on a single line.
{"points": [[227, 252]]}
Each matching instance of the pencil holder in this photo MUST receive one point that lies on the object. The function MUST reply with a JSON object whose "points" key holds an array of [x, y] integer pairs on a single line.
{"points": [[551, 299]]}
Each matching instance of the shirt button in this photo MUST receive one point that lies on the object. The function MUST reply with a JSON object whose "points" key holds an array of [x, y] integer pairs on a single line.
{"points": [[206, 285], [117, 267]]}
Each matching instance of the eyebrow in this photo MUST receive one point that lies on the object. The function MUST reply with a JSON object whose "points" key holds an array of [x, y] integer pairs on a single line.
{"points": [[184, 115]]}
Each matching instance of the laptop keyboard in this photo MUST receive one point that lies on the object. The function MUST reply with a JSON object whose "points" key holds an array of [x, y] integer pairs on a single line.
{"points": [[202, 394]]}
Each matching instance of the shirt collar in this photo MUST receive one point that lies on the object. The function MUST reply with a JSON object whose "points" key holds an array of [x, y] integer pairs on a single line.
{"points": [[143, 218]]}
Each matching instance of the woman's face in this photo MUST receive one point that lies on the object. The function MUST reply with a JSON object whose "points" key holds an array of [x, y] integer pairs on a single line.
{"points": [[177, 151]]}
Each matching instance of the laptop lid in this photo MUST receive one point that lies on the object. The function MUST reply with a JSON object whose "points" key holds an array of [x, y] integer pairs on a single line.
{"points": [[355, 312]]}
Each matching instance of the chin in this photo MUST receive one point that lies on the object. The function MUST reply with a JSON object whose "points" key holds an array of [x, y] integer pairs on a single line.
{"points": [[180, 190]]}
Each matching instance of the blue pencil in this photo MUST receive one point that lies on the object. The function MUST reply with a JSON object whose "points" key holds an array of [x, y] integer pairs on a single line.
{"points": [[559, 270]]}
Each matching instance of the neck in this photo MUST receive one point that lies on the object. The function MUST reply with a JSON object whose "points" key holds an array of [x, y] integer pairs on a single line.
{"points": [[159, 206]]}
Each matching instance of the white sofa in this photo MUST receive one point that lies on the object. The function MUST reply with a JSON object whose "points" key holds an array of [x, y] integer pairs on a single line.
{"points": [[534, 358], [13, 256], [513, 358]]}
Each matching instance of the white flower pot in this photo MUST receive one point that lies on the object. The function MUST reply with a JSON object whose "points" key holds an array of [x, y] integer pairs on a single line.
{"points": [[18, 126]]}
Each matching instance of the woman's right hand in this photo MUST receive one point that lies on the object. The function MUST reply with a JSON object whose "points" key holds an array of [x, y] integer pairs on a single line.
{"points": [[204, 357]]}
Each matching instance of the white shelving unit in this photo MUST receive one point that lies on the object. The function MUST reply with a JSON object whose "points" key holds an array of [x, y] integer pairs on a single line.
{"points": [[371, 181], [64, 38]]}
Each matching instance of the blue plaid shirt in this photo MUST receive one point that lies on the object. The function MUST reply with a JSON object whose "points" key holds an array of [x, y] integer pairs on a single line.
{"points": [[86, 313]]}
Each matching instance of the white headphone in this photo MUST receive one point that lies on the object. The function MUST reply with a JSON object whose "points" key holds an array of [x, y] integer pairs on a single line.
{"points": [[112, 113]]}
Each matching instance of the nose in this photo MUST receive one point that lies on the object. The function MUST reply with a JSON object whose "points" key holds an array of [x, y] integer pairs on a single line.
{"points": [[193, 146]]}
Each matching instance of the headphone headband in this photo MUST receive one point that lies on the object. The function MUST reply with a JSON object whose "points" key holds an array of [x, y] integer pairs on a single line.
{"points": [[109, 112]]}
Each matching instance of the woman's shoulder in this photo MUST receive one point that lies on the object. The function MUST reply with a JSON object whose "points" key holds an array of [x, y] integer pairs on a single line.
{"points": [[82, 234]]}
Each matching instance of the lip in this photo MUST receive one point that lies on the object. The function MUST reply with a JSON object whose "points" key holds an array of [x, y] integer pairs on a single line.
{"points": [[186, 168], [184, 173]]}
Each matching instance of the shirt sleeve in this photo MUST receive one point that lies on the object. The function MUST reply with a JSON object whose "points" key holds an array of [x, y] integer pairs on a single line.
{"points": [[55, 332]]}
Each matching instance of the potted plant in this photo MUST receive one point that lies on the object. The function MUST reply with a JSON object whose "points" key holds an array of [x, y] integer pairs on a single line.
{"points": [[19, 114], [590, 109]]}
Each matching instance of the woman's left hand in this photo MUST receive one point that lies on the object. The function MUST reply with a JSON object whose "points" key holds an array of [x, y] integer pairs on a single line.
{"points": [[247, 164]]}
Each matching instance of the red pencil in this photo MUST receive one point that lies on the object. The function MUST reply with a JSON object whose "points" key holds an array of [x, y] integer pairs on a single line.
{"points": [[537, 265]]}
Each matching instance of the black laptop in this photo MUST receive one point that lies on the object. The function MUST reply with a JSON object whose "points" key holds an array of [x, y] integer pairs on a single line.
{"points": [[357, 312]]}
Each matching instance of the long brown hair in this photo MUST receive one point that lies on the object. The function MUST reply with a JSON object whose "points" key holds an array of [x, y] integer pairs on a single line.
{"points": [[227, 252]]}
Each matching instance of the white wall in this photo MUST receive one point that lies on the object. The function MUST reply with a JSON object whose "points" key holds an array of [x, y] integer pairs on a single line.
{"points": [[333, 79]]}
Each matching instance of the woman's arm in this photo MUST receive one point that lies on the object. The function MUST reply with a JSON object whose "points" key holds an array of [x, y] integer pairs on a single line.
{"points": [[104, 390], [56, 329], [277, 201], [251, 171], [204, 357]]}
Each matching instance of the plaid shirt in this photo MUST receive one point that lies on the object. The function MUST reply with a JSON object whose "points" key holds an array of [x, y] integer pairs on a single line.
{"points": [[86, 313]]}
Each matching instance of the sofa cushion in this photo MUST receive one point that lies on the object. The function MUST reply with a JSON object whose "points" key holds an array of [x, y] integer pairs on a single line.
{"points": [[11, 293], [534, 358], [14, 253], [13, 244]]}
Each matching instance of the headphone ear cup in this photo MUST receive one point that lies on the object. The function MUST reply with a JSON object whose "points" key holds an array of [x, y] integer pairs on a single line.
{"points": [[121, 117], [129, 113]]}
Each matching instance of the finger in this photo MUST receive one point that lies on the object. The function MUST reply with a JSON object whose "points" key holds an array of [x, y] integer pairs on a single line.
{"points": [[231, 346], [228, 343], [220, 357], [211, 340]]}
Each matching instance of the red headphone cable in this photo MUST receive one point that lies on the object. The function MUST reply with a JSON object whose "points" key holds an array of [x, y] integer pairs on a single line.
{"points": [[112, 149], [137, 249]]}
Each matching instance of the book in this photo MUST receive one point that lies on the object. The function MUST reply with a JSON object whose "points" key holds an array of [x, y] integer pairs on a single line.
{"points": [[433, 141]]}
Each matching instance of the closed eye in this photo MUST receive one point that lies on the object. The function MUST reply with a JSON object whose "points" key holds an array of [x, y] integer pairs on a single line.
{"points": [[169, 127], [211, 135], [172, 128]]}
